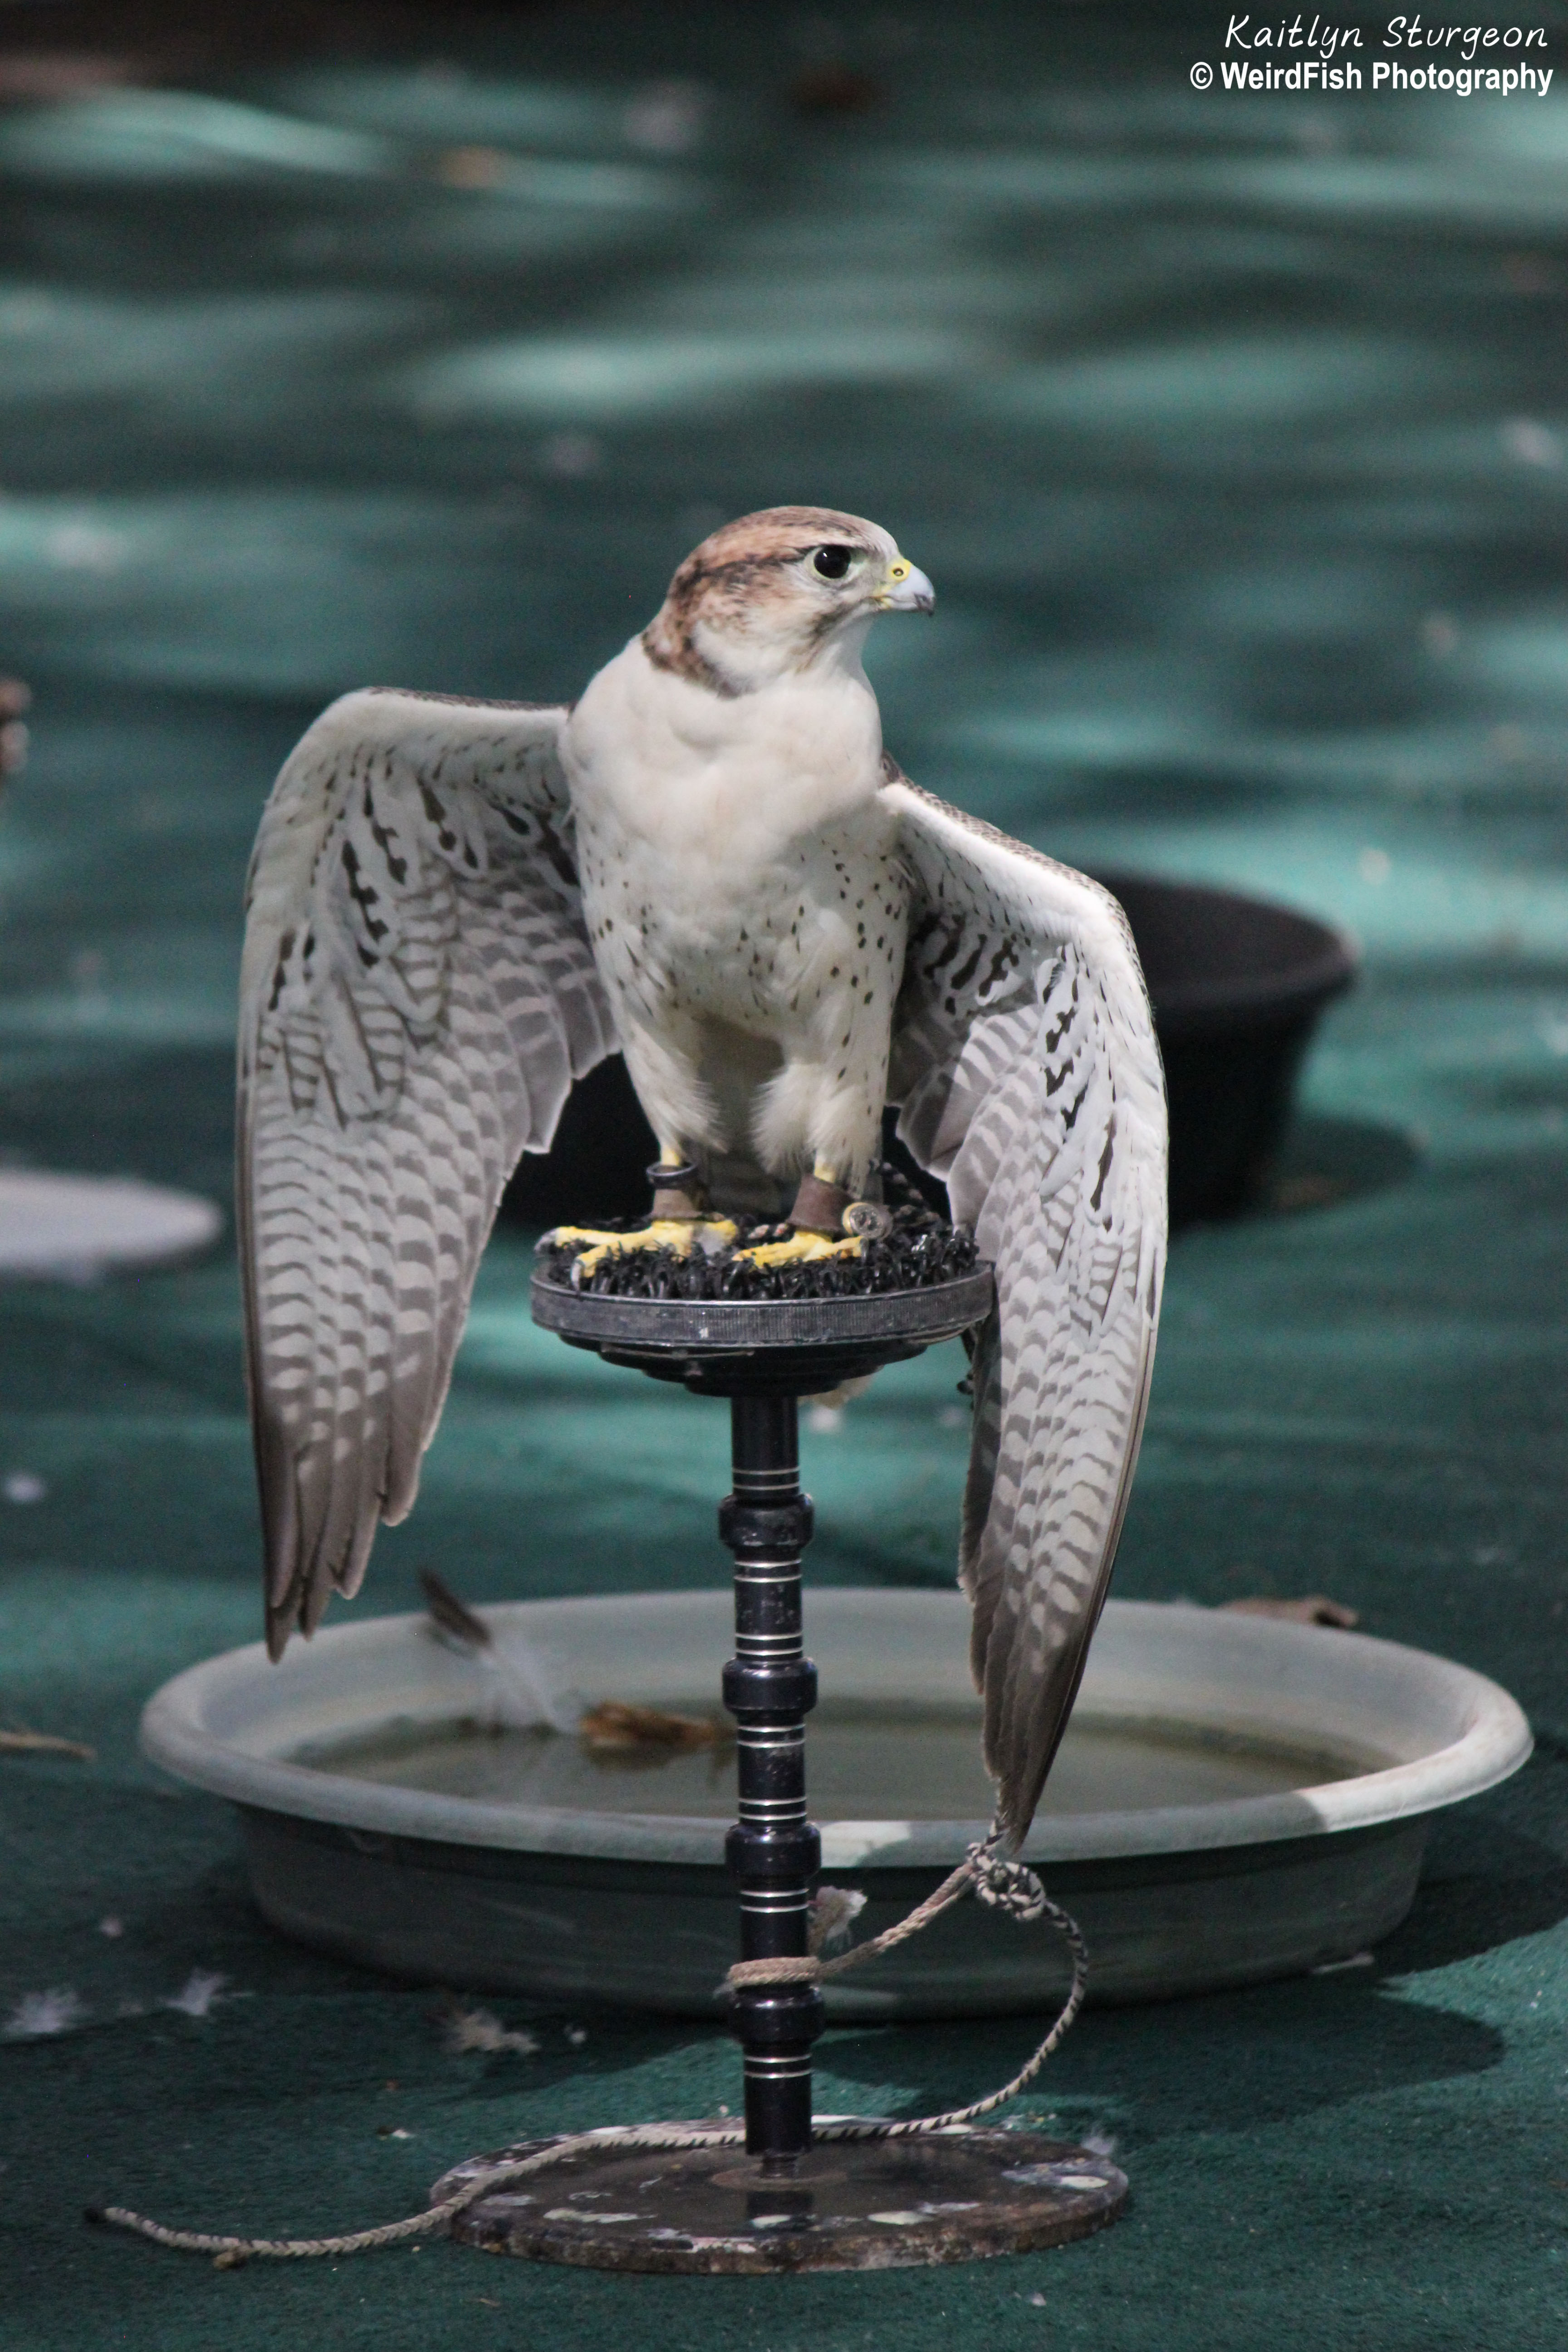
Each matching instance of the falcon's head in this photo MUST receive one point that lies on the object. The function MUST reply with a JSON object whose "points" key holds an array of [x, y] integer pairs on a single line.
{"points": [[780, 591]]}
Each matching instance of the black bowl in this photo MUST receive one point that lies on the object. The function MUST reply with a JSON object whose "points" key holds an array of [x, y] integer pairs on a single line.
{"points": [[1237, 985]]}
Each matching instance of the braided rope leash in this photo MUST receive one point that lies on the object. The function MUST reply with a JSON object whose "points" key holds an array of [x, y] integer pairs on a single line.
{"points": [[1001, 1883]]}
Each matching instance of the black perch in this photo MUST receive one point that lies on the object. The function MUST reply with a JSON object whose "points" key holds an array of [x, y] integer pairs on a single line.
{"points": [[774, 1850], [763, 1356], [701, 2204]]}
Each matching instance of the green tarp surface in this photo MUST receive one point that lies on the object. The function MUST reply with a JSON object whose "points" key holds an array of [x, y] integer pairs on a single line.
{"points": [[1233, 429]]}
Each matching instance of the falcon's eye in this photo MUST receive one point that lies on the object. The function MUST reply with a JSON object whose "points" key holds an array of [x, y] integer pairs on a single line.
{"points": [[832, 562]]}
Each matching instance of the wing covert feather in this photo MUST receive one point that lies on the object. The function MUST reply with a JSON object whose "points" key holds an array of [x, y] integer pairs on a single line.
{"points": [[418, 996], [1029, 1078]]}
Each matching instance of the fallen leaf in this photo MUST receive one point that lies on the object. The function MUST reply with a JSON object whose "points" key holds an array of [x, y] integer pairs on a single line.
{"points": [[615, 1725]]}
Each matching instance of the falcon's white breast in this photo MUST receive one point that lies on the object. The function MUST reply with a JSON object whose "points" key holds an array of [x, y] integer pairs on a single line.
{"points": [[456, 909], [743, 891]]}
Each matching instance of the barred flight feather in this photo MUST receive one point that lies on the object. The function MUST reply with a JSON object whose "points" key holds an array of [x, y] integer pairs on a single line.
{"points": [[1026, 1063], [419, 997]]}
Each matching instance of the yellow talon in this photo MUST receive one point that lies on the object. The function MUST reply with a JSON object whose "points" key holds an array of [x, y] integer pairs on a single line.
{"points": [[801, 1249], [680, 1234]]}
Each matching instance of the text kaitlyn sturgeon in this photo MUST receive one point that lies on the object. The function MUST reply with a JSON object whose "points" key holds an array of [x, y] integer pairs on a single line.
{"points": [[1450, 44]]}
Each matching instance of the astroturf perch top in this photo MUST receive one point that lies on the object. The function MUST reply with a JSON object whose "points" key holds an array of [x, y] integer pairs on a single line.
{"points": [[455, 909]]}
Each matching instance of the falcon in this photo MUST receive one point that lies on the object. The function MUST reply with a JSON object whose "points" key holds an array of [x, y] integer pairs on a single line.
{"points": [[455, 909]]}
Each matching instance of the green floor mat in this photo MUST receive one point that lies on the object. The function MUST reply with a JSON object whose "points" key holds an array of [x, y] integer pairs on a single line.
{"points": [[1232, 428]]}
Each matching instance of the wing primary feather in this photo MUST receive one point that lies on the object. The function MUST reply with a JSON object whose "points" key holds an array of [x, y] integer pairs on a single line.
{"points": [[1028, 1077], [418, 994]]}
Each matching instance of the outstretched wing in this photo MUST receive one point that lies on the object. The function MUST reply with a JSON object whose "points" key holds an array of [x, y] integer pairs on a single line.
{"points": [[417, 995], [1026, 1063]]}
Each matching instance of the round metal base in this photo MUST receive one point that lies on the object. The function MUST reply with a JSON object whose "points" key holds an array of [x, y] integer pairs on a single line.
{"points": [[783, 1347], [954, 2196]]}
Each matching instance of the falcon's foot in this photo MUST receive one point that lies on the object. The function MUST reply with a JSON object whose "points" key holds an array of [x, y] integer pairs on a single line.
{"points": [[682, 1234], [801, 1249], [823, 1211]]}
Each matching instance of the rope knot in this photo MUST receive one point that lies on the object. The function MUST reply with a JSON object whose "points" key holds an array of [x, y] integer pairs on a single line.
{"points": [[804, 1971], [1005, 1886]]}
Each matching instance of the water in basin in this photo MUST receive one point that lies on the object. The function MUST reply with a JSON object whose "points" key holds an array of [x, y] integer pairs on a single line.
{"points": [[863, 1763]]}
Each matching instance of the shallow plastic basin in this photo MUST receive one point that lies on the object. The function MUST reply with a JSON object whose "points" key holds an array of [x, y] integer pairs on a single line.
{"points": [[1237, 1798]]}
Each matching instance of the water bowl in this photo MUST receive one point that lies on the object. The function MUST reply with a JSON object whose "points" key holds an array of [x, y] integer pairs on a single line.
{"points": [[1237, 1798]]}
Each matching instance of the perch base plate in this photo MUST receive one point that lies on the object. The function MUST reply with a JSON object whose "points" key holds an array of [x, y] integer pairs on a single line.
{"points": [[953, 2196]]}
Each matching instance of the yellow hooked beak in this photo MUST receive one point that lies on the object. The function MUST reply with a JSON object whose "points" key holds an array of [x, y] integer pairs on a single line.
{"points": [[905, 589]]}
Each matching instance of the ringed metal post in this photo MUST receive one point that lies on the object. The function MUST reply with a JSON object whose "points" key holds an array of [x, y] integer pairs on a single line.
{"points": [[770, 1685]]}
